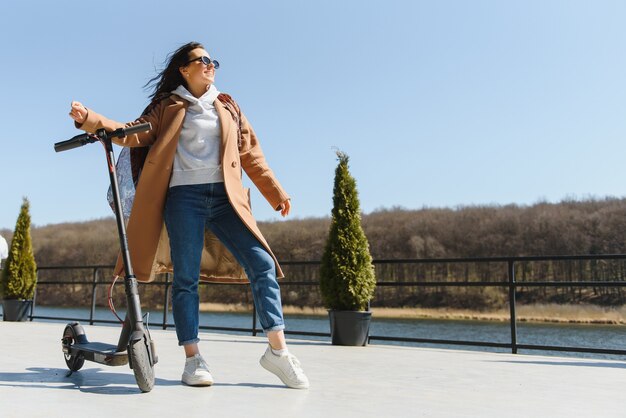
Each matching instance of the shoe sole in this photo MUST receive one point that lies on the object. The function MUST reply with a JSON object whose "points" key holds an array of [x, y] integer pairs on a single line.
{"points": [[279, 373], [198, 384]]}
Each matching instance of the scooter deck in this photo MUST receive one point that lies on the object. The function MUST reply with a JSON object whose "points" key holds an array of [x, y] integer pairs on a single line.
{"points": [[102, 353]]}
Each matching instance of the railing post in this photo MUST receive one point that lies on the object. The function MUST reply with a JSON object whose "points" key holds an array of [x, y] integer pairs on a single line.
{"points": [[369, 308], [512, 288], [32, 305], [166, 301], [94, 287]]}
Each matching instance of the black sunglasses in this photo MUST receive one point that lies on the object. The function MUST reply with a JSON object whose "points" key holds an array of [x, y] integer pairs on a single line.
{"points": [[206, 61]]}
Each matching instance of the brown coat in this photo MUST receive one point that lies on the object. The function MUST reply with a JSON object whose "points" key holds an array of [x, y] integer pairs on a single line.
{"points": [[147, 236]]}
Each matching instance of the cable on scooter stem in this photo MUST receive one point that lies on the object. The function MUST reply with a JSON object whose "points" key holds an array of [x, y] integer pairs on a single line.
{"points": [[110, 299]]}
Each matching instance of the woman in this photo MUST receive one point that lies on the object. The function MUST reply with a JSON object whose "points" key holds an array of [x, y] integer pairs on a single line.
{"points": [[191, 181]]}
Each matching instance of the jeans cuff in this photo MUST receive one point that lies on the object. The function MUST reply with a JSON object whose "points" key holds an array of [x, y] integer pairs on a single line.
{"points": [[275, 328], [192, 341]]}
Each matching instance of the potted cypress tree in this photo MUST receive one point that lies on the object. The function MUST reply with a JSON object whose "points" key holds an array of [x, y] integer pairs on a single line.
{"points": [[19, 275], [347, 280]]}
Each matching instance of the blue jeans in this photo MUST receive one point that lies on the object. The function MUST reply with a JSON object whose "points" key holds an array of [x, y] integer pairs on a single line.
{"points": [[189, 210]]}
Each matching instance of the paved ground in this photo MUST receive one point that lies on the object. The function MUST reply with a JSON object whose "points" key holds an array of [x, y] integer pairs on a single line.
{"points": [[375, 381]]}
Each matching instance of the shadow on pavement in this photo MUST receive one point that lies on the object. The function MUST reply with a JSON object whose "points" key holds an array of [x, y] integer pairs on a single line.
{"points": [[87, 380]]}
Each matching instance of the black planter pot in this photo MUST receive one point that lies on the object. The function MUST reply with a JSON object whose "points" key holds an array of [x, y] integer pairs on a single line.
{"points": [[15, 309], [349, 327]]}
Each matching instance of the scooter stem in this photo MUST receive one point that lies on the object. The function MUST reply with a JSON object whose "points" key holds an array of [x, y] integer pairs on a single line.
{"points": [[121, 228], [134, 318]]}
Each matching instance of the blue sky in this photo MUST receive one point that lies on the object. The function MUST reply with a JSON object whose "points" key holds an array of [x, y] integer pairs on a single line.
{"points": [[437, 103]]}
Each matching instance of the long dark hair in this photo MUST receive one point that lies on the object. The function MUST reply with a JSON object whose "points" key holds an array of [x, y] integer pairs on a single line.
{"points": [[170, 78]]}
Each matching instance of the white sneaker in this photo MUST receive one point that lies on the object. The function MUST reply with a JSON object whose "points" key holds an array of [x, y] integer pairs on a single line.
{"points": [[286, 367], [197, 372]]}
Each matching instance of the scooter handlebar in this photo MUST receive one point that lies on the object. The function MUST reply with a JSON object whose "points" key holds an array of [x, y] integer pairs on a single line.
{"points": [[122, 132], [77, 141], [84, 139]]}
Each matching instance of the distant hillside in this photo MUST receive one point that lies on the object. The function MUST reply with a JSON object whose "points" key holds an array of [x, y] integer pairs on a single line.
{"points": [[568, 227]]}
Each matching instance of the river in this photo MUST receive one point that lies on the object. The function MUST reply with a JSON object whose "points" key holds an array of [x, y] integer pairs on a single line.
{"points": [[573, 335]]}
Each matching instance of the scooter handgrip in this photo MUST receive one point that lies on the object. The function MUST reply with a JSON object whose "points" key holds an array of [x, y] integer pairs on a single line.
{"points": [[122, 132], [77, 141]]}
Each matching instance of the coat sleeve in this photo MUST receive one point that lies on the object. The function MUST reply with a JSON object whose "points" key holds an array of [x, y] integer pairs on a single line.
{"points": [[96, 121], [254, 164]]}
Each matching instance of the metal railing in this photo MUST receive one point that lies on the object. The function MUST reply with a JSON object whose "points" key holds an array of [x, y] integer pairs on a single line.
{"points": [[511, 284]]}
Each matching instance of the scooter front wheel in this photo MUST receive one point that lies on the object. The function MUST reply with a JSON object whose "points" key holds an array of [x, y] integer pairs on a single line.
{"points": [[140, 360], [74, 361]]}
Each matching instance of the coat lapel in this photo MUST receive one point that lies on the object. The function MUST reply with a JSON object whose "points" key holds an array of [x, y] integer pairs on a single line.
{"points": [[175, 114], [226, 124]]}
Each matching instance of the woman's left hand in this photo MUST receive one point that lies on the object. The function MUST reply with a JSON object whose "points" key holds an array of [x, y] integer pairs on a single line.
{"points": [[78, 112], [285, 207]]}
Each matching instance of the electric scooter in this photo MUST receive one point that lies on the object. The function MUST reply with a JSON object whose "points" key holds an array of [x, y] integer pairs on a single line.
{"points": [[135, 347]]}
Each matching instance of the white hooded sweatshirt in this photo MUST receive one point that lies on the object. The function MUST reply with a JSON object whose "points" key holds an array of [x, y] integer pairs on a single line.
{"points": [[197, 159]]}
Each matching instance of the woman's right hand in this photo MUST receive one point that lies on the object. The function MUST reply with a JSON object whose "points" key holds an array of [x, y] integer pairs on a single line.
{"points": [[78, 112]]}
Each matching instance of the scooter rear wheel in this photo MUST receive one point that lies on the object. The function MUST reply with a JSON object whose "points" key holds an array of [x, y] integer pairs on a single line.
{"points": [[139, 358], [74, 362]]}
